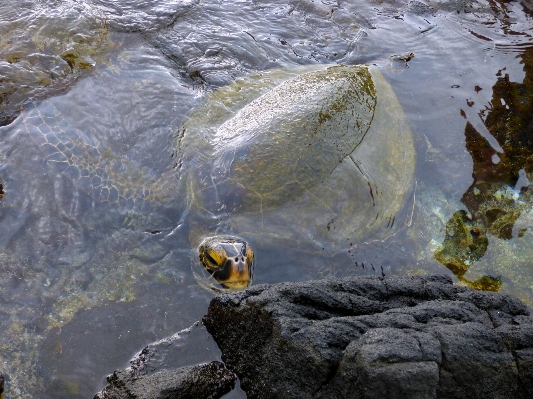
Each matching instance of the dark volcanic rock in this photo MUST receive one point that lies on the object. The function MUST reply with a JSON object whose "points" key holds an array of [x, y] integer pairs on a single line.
{"points": [[159, 371], [370, 337], [210, 380]]}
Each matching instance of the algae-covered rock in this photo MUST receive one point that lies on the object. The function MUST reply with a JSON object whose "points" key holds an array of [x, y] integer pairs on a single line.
{"points": [[500, 192], [44, 48]]}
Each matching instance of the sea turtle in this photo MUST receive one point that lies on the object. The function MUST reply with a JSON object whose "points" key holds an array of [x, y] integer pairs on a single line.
{"points": [[319, 159], [316, 158]]}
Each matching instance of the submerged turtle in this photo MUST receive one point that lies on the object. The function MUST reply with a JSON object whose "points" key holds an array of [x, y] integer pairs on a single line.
{"points": [[320, 160]]}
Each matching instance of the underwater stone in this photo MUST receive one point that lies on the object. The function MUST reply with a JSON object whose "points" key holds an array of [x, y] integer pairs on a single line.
{"points": [[500, 192]]}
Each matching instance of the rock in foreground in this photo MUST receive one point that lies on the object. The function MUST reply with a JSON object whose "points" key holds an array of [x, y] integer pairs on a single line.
{"points": [[370, 337], [209, 380], [158, 371]]}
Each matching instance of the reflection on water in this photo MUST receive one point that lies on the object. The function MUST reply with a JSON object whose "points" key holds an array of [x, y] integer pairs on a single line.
{"points": [[95, 256], [501, 191]]}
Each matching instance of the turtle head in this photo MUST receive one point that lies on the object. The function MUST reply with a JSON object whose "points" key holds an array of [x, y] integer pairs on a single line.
{"points": [[229, 260]]}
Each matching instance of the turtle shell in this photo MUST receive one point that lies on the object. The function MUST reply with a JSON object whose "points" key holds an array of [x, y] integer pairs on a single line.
{"points": [[318, 159]]}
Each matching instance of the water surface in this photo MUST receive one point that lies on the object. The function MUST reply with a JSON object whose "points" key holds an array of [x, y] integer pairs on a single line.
{"points": [[95, 253]]}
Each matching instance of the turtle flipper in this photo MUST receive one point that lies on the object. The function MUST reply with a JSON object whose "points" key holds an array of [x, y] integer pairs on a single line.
{"points": [[91, 166]]}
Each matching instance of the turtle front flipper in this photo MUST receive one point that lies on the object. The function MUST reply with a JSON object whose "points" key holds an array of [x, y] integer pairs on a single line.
{"points": [[92, 167]]}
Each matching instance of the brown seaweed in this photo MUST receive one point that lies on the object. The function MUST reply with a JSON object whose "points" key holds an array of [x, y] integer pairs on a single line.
{"points": [[500, 191]]}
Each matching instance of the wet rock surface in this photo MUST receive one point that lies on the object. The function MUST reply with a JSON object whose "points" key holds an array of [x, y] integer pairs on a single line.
{"points": [[373, 337], [210, 380], [161, 370]]}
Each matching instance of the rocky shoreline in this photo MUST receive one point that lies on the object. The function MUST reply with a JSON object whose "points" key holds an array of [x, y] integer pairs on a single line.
{"points": [[360, 337]]}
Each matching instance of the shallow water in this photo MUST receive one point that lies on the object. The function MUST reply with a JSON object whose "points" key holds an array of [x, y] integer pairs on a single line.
{"points": [[95, 253]]}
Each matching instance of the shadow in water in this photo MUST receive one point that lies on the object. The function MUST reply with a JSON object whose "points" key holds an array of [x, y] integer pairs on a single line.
{"points": [[501, 191]]}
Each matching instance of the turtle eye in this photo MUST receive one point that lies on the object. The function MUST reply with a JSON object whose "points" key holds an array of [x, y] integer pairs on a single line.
{"points": [[249, 254], [210, 259], [214, 257]]}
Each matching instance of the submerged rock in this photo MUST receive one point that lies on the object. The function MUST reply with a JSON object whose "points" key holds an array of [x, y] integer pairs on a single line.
{"points": [[45, 48], [371, 337], [500, 192]]}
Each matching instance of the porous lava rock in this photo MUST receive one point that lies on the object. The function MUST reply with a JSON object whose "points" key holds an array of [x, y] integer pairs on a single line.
{"points": [[204, 381], [375, 337], [162, 370]]}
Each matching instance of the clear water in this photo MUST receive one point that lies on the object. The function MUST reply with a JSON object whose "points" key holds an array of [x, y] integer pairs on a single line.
{"points": [[89, 276]]}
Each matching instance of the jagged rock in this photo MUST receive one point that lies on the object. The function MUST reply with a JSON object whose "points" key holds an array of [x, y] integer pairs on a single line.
{"points": [[371, 337], [157, 372], [209, 381]]}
